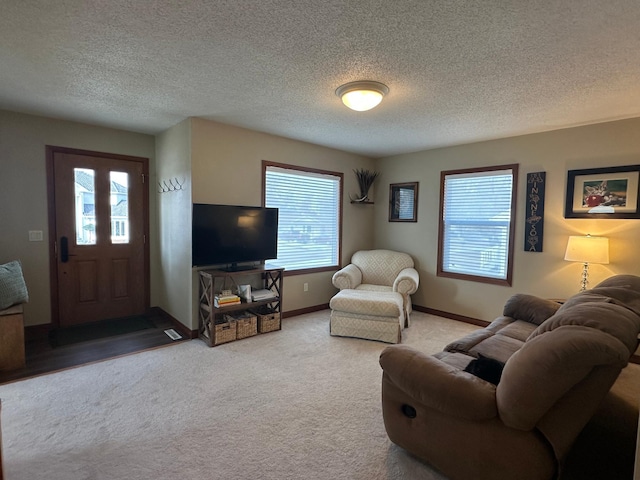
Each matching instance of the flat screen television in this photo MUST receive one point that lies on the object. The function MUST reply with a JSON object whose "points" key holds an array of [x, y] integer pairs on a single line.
{"points": [[232, 235]]}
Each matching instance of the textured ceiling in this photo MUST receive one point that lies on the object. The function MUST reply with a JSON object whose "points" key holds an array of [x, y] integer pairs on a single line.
{"points": [[458, 71]]}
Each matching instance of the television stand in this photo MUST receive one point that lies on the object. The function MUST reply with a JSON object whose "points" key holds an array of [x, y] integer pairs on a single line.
{"points": [[234, 267], [226, 323]]}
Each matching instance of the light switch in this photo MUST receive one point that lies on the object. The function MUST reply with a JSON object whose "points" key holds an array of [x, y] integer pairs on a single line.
{"points": [[35, 235]]}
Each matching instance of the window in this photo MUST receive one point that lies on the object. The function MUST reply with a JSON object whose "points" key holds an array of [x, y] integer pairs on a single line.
{"points": [[309, 216], [85, 211], [119, 207], [85, 214], [477, 217]]}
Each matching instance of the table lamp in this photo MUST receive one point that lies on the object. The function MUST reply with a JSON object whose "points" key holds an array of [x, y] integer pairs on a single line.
{"points": [[587, 250]]}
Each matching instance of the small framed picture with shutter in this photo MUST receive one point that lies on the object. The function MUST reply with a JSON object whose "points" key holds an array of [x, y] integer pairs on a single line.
{"points": [[403, 202]]}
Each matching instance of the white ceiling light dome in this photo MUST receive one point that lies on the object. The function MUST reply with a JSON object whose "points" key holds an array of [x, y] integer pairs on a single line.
{"points": [[362, 95]]}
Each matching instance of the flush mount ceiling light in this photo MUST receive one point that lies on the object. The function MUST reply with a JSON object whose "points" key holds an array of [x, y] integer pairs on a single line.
{"points": [[362, 95]]}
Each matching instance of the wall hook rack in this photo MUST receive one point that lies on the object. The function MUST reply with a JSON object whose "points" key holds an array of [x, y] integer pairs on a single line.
{"points": [[173, 185]]}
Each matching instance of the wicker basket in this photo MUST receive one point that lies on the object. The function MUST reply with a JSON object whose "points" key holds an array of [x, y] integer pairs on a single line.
{"points": [[268, 321], [225, 331], [246, 325]]}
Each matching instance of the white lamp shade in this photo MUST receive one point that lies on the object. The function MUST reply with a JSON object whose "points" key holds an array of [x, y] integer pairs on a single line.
{"points": [[361, 100], [587, 249], [362, 95]]}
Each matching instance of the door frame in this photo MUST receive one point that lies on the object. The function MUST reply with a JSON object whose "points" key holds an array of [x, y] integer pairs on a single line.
{"points": [[51, 150]]}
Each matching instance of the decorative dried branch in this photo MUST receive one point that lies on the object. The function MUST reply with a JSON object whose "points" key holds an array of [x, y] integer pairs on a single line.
{"points": [[365, 180]]}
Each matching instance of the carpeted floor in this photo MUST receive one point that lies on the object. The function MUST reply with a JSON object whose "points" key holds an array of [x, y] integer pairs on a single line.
{"points": [[293, 404]]}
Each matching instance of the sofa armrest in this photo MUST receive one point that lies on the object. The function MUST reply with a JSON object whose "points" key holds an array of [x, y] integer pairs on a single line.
{"points": [[438, 385], [530, 308], [347, 277], [407, 281]]}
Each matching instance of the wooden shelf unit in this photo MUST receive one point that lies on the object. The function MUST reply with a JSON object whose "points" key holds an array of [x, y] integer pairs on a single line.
{"points": [[213, 282]]}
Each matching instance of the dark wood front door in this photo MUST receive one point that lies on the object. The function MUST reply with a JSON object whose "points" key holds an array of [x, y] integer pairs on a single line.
{"points": [[99, 226]]}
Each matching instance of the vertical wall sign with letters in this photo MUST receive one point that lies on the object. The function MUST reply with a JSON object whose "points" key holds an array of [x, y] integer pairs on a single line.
{"points": [[534, 215]]}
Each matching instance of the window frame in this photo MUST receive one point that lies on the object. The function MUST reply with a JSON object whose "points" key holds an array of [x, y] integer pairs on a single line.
{"points": [[440, 272], [340, 175]]}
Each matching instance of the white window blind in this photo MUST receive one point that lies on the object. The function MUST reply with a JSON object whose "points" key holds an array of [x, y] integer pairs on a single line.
{"points": [[308, 217], [476, 221], [407, 196]]}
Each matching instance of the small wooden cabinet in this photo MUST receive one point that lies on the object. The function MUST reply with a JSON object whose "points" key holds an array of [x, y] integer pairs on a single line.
{"points": [[215, 325], [12, 354]]}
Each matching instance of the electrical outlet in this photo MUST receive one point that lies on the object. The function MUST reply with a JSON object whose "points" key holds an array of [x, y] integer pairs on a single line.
{"points": [[35, 235], [305, 287]]}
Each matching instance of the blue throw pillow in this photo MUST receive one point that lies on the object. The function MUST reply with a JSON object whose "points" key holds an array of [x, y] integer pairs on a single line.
{"points": [[13, 290]]}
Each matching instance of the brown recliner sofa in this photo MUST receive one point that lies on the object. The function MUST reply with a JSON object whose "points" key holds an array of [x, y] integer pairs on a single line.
{"points": [[559, 363]]}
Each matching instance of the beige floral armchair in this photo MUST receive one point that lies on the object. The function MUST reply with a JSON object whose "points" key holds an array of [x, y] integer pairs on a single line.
{"points": [[380, 271]]}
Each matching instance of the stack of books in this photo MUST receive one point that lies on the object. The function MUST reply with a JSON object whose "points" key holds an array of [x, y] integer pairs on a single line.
{"points": [[225, 300]]}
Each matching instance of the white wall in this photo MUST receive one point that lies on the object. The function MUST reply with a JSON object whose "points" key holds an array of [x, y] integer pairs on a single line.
{"points": [[544, 274], [23, 192]]}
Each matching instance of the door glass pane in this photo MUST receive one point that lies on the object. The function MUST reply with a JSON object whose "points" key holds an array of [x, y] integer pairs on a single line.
{"points": [[85, 214], [119, 207]]}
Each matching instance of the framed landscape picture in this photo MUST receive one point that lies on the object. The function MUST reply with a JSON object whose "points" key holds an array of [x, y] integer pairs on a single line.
{"points": [[603, 193]]}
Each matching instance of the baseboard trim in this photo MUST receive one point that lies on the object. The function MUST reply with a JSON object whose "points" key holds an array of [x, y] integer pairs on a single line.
{"points": [[452, 316], [302, 311], [177, 324], [33, 333]]}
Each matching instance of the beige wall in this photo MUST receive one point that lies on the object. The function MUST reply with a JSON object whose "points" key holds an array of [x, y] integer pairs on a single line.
{"points": [[222, 164], [227, 168], [544, 274], [173, 158], [23, 192]]}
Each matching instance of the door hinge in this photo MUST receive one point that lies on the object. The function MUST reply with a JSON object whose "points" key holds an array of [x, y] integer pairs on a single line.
{"points": [[144, 239]]}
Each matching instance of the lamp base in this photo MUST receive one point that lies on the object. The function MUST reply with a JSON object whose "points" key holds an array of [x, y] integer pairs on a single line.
{"points": [[585, 275]]}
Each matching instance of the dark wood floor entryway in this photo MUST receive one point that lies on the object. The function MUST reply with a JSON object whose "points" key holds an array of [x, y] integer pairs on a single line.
{"points": [[43, 357]]}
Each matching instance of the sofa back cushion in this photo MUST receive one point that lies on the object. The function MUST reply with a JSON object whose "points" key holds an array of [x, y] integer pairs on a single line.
{"points": [[595, 330], [612, 307], [609, 318], [548, 366], [381, 267], [623, 290]]}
